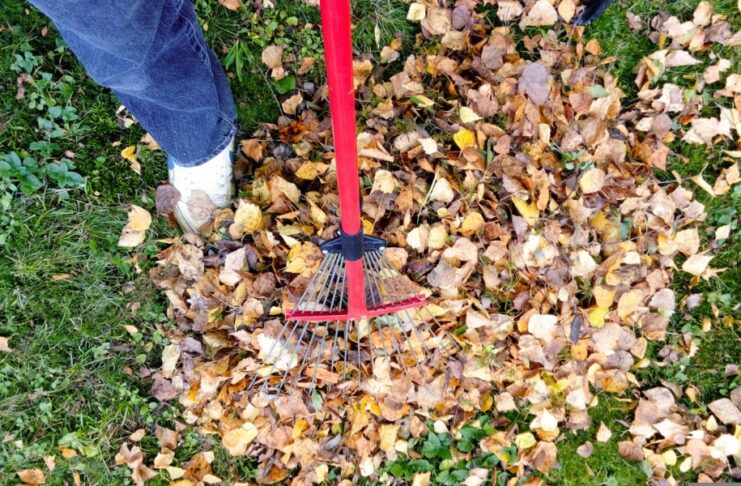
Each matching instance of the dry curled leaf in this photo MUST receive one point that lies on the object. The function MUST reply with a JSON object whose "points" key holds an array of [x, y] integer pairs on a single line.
{"points": [[135, 230], [166, 198]]}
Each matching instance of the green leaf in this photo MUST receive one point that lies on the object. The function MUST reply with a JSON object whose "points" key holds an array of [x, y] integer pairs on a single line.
{"points": [[284, 85], [599, 91], [30, 184]]}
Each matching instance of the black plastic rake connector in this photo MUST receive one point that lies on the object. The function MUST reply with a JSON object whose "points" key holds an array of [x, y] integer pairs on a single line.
{"points": [[352, 247]]}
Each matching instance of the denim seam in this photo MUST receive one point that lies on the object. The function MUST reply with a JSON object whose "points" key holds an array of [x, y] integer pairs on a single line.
{"points": [[193, 38]]}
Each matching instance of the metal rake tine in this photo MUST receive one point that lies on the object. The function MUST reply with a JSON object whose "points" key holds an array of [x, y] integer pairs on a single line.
{"points": [[358, 358], [334, 345], [298, 341], [322, 269], [396, 348], [314, 302], [331, 287], [409, 287], [409, 319], [347, 346], [339, 288], [403, 281], [303, 360], [270, 352], [316, 365], [366, 282]]}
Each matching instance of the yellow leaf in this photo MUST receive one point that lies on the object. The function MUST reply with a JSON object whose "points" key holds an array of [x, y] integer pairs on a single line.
{"points": [[697, 264], [603, 433], [464, 138], [604, 296], [139, 218], [170, 356], [437, 237], [311, 170], [596, 316], [387, 434], [248, 217], [134, 231], [385, 182], [566, 9], [698, 179], [525, 441], [318, 217], [591, 181], [129, 153], [528, 211], [175, 472], [628, 303], [236, 440], [303, 258], [472, 223]]}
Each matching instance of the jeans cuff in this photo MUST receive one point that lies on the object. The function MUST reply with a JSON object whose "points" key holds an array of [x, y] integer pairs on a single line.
{"points": [[229, 130]]}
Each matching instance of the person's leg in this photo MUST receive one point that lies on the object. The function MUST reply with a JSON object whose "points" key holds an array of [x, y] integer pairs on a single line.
{"points": [[592, 10], [152, 54]]}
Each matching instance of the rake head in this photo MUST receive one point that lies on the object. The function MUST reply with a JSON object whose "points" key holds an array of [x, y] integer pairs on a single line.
{"points": [[352, 312]]}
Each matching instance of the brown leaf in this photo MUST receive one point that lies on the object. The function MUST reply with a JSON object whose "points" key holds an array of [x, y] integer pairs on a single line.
{"points": [[630, 450], [231, 4], [726, 411], [272, 56], [252, 148], [32, 476], [166, 198], [534, 81]]}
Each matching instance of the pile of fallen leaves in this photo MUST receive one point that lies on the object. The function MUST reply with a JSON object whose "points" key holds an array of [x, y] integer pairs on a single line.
{"points": [[517, 188]]}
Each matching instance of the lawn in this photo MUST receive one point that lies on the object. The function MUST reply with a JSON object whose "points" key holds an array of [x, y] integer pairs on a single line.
{"points": [[85, 324]]}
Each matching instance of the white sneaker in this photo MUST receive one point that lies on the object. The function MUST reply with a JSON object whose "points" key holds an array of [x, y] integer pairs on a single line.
{"points": [[203, 189]]}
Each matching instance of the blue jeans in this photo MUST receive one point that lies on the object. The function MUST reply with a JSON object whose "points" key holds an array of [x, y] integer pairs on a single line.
{"points": [[152, 54]]}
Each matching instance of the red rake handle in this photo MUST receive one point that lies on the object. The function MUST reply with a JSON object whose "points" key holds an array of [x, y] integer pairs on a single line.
{"points": [[338, 57]]}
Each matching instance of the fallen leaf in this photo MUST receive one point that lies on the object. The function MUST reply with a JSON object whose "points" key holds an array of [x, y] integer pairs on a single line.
{"points": [[442, 191], [726, 411], [697, 264], [534, 80], [129, 153], [592, 181], [417, 12], [603, 433], [528, 211], [166, 198], [540, 14], [272, 56], [4, 346], [464, 138], [237, 439], [231, 4], [134, 232], [32, 476]]}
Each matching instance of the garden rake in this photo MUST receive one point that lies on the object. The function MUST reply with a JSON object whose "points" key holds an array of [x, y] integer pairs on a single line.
{"points": [[357, 307]]}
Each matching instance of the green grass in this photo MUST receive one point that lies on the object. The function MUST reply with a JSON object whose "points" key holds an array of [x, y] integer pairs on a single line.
{"points": [[72, 378]]}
